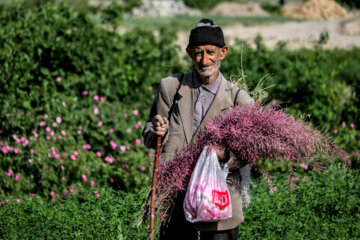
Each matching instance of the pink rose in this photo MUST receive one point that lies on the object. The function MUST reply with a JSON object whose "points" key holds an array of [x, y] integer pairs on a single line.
{"points": [[136, 112], [98, 154], [85, 92], [58, 79], [113, 144], [84, 178]]}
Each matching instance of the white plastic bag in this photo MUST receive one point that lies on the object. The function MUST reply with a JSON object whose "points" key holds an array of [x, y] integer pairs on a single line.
{"points": [[207, 197]]}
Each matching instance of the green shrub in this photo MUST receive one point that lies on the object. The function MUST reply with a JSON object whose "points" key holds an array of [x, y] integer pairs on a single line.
{"points": [[271, 8], [320, 84], [322, 206], [70, 93], [349, 3], [205, 5], [110, 216]]}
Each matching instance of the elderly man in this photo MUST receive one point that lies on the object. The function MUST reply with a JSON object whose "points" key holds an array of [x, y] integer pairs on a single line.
{"points": [[182, 105]]}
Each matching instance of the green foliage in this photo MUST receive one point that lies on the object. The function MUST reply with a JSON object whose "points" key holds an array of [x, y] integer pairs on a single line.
{"points": [[205, 5], [109, 216], [70, 92], [349, 3], [314, 83], [271, 7], [322, 206]]}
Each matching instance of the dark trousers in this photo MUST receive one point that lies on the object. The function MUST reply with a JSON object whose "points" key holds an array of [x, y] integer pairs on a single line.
{"points": [[177, 228], [231, 234]]}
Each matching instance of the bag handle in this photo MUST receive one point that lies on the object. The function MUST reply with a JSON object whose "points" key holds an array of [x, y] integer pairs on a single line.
{"points": [[236, 95]]}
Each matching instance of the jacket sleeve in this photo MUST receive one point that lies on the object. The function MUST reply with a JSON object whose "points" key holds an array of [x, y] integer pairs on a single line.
{"points": [[161, 105]]}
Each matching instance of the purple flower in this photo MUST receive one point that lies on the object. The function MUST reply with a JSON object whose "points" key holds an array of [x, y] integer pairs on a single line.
{"points": [[142, 168], [251, 133], [352, 125]]}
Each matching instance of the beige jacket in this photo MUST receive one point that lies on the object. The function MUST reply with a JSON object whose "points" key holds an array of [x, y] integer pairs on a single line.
{"points": [[181, 126]]}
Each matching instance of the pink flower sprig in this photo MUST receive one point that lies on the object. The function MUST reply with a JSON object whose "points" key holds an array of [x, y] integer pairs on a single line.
{"points": [[251, 133]]}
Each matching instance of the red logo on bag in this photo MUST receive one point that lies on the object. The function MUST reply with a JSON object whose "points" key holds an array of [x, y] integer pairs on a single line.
{"points": [[220, 199]]}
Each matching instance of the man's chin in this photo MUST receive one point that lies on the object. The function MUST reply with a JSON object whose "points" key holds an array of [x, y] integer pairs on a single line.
{"points": [[206, 73]]}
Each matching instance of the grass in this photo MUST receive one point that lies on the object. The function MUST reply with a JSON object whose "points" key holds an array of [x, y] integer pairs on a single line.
{"points": [[184, 22]]}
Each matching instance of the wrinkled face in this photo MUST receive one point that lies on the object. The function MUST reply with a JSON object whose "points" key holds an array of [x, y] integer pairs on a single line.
{"points": [[207, 58]]}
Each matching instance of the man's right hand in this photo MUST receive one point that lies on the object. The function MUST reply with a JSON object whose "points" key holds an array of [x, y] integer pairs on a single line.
{"points": [[160, 125]]}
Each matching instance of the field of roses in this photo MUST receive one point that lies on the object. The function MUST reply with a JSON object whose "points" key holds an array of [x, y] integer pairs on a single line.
{"points": [[75, 96]]}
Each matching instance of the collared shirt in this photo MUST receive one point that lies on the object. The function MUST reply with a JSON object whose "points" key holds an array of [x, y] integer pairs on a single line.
{"points": [[203, 95]]}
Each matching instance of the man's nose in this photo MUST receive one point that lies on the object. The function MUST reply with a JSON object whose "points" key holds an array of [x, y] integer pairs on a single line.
{"points": [[205, 59]]}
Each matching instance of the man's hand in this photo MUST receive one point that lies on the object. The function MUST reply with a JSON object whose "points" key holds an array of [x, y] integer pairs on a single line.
{"points": [[160, 125], [220, 152]]}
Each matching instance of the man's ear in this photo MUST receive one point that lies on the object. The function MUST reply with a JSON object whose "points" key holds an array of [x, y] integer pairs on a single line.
{"points": [[223, 51], [189, 52]]}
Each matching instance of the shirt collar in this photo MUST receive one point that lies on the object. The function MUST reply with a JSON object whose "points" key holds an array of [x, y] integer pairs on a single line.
{"points": [[212, 87]]}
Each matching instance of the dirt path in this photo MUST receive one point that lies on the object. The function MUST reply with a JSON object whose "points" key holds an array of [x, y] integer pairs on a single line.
{"points": [[296, 34]]}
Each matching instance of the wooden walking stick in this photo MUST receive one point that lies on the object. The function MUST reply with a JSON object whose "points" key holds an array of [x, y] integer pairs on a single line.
{"points": [[153, 187]]}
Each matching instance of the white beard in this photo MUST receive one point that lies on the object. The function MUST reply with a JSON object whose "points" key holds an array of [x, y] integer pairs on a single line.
{"points": [[207, 73]]}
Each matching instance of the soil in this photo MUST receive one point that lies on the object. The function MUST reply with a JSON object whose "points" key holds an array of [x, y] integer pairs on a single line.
{"points": [[343, 32], [317, 9]]}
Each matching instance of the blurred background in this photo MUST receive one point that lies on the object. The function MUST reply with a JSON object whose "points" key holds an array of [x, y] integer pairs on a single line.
{"points": [[77, 80]]}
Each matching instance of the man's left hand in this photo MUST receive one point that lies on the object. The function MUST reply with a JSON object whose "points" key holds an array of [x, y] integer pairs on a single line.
{"points": [[220, 152]]}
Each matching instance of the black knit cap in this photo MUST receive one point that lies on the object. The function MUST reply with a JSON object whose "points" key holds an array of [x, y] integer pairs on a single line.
{"points": [[206, 33]]}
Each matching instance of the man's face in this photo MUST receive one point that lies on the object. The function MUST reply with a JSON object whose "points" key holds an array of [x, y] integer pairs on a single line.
{"points": [[207, 58]]}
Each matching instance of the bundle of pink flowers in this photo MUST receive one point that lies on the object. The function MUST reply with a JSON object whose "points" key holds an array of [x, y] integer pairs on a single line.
{"points": [[252, 133]]}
